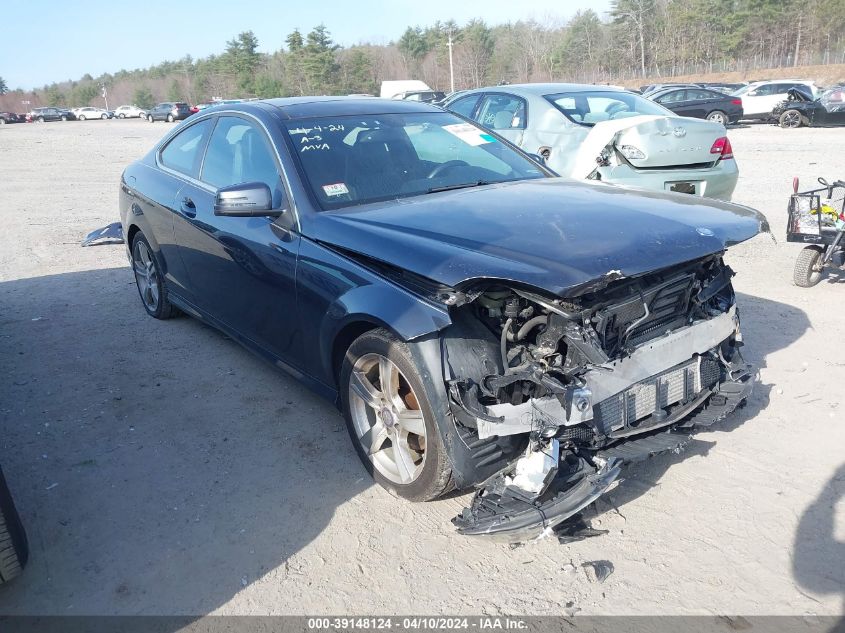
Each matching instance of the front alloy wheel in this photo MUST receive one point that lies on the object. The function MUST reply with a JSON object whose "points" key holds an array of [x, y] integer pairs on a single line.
{"points": [[790, 119], [390, 419]]}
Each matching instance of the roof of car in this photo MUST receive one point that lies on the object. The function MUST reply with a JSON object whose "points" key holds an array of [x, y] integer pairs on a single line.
{"points": [[302, 107]]}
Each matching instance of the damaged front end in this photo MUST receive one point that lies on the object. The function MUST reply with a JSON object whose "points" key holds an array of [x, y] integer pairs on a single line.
{"points": [[618, 370]]}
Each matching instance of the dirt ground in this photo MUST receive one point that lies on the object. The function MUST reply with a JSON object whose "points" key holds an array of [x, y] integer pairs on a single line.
{"points": [[159, 468]]}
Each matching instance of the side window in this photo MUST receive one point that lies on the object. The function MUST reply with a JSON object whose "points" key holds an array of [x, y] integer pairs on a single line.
{"points": [[674, 97], [502, 112], [764, 91], [464, 106], [698, 95], [238, 152], [184, 151]]}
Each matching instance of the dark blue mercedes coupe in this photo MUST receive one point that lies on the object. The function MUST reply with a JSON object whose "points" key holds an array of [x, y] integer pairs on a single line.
{"points": [[479, 321]]}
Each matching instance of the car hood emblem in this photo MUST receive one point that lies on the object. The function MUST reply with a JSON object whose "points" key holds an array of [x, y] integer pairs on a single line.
{"points": [[679, 132], [703, 231]]}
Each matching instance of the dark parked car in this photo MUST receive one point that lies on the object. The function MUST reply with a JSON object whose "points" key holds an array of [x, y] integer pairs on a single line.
{"points": [[10, 117], [40, 115], [423, 96], [479, 321], [802, 109], [700, 103], [170, 111]]}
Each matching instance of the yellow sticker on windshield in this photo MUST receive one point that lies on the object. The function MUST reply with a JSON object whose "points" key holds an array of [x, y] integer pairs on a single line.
{"points": [[469, 134]]}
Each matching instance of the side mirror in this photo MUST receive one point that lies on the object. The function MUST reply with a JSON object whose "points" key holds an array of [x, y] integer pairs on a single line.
{"points": [[753, 93], [538, 158], [247, 199]]}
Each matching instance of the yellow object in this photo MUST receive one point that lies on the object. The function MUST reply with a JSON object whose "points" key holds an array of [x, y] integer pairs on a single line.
{"points": [[827, 210]]}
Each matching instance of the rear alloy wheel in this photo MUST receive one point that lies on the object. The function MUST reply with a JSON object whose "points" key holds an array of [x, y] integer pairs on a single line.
{"points": [[104, 116], [121, 116], [717, 116], [808, 267], [149, 280], [170, 118], [390, 420], [790, 118]]}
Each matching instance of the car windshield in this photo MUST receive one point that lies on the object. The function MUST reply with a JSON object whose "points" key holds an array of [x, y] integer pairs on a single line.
{"points": [[351, 160], [589, 108], [741, 91]]}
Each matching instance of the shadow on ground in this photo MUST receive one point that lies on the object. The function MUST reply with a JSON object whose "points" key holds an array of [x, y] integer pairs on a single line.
{"points": [[818, 557], [159, 467]]}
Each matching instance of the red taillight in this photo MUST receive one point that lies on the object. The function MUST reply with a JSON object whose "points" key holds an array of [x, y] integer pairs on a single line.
{"points": [[722, 146], [736, 101]]}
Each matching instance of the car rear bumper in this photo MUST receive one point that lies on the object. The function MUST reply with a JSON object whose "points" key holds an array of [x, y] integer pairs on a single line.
{"points": [[717, 182]]}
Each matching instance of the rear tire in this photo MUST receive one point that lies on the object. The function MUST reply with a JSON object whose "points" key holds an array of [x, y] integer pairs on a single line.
{"points": [[717, 116], [791, 119], [40, 119], [410, 460], [121, 116], [14, 550], [64, 118], [170, 118], [104, 116], [808, 270], [148, 278]]}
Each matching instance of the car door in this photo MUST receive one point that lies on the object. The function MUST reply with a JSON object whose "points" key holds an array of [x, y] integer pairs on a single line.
{"points": [[505, 114], [179, 162], [242, 270], [698, 103], [675, 100], [760, 100]]}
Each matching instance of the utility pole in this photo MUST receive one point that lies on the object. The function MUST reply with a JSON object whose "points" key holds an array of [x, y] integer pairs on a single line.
{"points": [[451, 67], [105, 96]]}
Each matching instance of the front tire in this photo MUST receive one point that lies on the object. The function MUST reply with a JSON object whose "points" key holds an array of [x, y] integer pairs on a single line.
{"points": [[150, 118], [717, 116], [390, 419], [40, 119], [81, 117], [64, 118], [790, 119], [104, 117], [121, 116], [808, 268], [14, 549], [149, 279]]}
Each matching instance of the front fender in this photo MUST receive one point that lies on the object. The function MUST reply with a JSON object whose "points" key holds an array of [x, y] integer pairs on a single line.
{"points": [[336, 293]]}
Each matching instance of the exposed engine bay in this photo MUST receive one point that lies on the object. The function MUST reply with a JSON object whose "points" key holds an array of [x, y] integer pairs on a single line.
{"points": [[573, 388]]}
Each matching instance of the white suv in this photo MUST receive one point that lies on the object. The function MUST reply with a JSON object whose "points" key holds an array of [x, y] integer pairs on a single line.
{"points": [[761, 97], [129, 111]]}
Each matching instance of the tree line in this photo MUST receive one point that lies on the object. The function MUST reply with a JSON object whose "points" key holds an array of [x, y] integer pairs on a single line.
{"points": [[637, 38]]}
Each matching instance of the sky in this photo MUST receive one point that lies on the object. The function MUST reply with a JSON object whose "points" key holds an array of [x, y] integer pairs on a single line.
{"points": [[64, 40]]}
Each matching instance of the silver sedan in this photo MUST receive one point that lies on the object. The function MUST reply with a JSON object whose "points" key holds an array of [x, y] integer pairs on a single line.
{"points": [[609, 134]]}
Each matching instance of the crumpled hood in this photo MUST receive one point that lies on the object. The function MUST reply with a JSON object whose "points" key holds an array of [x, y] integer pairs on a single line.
{"points": [[552, 234]]}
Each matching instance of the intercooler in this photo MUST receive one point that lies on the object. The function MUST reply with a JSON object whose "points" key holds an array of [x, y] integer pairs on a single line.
{"points": [[681, 383]]}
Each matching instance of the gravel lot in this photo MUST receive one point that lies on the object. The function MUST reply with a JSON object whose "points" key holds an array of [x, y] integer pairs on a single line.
{"points": [[159, 468]]}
